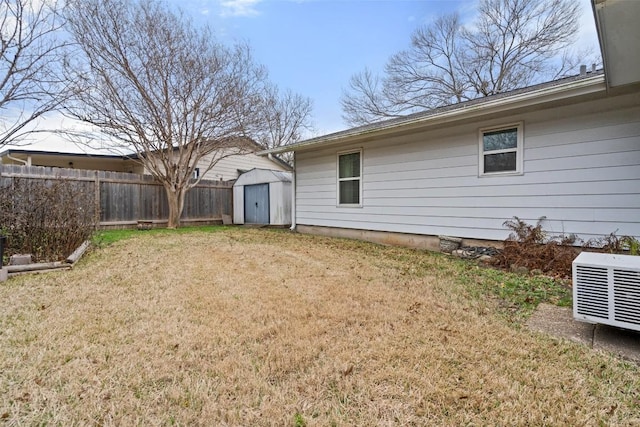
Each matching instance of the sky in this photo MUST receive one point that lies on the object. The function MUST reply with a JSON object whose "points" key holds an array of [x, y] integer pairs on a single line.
{"points": [[313, 47]]}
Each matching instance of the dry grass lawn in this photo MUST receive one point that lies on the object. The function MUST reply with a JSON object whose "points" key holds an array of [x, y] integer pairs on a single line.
{"points": [[259, 327]]}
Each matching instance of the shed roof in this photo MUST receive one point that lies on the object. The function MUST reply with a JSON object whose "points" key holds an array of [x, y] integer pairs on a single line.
{"points": [[262, 176]]}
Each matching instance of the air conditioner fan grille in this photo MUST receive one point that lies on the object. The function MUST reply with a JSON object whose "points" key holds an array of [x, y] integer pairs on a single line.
{"points": [[592, 297], [626, 291]]}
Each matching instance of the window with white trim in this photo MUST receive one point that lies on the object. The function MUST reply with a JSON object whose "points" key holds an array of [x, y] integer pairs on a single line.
{"points": [[501, 150], [350, 178]]}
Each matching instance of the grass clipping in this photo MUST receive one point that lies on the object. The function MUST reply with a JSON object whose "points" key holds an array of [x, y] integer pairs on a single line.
{"points": [[257, 327]]}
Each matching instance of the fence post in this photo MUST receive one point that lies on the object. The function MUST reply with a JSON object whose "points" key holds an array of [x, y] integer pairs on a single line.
{"points": [[96, 203]]}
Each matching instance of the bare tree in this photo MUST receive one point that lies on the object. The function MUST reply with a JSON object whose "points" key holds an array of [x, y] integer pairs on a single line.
{"points": [[286, 120], [31, 55], [159, 86], [511, 44]]}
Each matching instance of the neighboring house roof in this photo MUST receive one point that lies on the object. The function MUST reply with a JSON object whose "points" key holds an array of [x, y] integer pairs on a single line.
{"points": [[13, 152], [584, 84], [17, 154], [85, 161]]}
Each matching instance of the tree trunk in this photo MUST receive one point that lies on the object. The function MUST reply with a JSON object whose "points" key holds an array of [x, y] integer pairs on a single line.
{"points": [[176, 204]]}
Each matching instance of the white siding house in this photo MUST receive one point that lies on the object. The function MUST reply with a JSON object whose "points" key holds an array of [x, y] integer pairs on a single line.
{"points": [[567, 150], [230, 168]]}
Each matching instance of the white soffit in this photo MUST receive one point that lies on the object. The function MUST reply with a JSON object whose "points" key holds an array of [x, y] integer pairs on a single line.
{"points": [[619, 32]]}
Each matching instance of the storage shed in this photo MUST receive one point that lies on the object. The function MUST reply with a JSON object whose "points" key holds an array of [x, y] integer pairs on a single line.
{"points": [[262, 196]]}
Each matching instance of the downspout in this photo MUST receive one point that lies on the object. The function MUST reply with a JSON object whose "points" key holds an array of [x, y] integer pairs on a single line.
{"points": [[293, 195], [15, 159]]}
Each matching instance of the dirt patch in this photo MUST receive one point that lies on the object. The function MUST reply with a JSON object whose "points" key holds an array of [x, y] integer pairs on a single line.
{"points": [[260, 327], [559, 322]]}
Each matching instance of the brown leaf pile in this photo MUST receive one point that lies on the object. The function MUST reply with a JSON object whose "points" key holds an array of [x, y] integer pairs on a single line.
{"points": [[529, 246], [552, 258]]}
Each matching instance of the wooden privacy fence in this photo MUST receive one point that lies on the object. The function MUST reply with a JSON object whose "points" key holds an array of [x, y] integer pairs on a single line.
{"points": [[122, 199]]}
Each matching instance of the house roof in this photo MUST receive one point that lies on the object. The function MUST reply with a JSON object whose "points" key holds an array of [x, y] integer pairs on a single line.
{"points": [[558, 90], [618, 33]]}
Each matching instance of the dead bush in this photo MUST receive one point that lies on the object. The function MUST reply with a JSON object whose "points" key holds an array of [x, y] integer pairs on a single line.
{"points": [[529, 246], [46, 218]]}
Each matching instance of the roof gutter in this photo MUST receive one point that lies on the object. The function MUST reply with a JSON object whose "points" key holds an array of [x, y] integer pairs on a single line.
{"points": [[554, 93], [595, 6]]}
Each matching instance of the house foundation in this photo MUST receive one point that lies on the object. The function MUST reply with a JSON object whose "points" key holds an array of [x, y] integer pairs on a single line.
{"points": [[416, 241]]}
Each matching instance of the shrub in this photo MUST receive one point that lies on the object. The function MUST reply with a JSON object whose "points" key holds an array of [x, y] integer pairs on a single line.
{"points": [[614, 244], [46, 218]]}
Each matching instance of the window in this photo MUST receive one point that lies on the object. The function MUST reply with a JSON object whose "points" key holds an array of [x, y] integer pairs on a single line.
{"points": [[196, 173], [501, 150], [349, 178]]}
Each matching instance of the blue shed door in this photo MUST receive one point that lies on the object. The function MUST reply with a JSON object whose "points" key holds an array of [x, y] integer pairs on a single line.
{"points": [[256, 204]]}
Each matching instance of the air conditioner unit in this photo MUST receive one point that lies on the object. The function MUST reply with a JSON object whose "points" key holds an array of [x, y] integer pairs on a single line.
{"points": [[606, 289]]}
